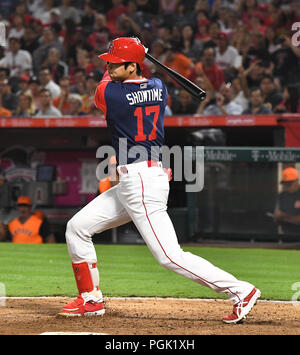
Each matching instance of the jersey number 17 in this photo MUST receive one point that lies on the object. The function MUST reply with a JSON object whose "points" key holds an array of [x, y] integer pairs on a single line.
{"points": [[140, 113]]}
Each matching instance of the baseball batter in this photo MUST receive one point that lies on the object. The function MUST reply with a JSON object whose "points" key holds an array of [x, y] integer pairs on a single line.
{"points": [[134, 109]]}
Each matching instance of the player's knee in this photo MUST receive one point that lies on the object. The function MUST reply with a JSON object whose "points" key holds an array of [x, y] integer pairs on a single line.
{"points": [[72, 229], [165, 261], [170, 260]]}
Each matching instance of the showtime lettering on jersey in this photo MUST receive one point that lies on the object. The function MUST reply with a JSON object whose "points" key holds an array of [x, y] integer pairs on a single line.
{"points": [[137, 97]]}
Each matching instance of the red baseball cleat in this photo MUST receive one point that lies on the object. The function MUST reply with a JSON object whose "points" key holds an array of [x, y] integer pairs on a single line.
{"points": [[242, 308], [82, 307]]}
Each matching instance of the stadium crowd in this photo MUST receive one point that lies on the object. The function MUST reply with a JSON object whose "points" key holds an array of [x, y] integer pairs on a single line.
{"points": [[240, 51]]}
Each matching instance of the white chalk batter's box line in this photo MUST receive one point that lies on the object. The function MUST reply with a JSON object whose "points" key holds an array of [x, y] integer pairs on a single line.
{"points": [[144, 299]]}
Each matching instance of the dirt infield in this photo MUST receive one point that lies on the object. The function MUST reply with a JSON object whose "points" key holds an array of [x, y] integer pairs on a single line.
{"points": [[148, 317]]}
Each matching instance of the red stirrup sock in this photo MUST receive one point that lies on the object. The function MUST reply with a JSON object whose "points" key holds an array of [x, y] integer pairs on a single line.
{"points": [[83, 276]]}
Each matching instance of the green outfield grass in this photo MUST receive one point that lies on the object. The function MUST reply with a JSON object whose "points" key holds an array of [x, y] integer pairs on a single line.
{"points": [[131, 270]]}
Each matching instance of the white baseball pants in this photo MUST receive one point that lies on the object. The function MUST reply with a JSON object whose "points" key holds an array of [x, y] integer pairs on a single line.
{"points": [[141, 196]]}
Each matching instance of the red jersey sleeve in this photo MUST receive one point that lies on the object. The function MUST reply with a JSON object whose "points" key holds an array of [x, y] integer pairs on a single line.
{"points": [[100, 91]]}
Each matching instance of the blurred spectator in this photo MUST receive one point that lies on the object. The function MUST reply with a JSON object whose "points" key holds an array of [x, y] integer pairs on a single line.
{"points": [[57, 67], [35, 88], [232, 22], [272, 96], [17, 30], [241, 40], [89, 97], [28, 228], [136, 16], [23, 84], [212, 71], [3, 111], [4, 73], [227, 57], [146, 35], [62, 101], [49, 39], [224, 104], [80, 43], [48, 83], [88, 18], [181, 16], [178, 62], [291, 100], [46, 107], [35, 7], [271, 40], [158, 52], [126, 27], [286, 62], [26, 106], [256, 23], [287, 210], [254, 74], [168, 6], [201, 5], [183, 103], [44, 12], [100, 32], [112, 15], [202, 34], [29, 41], [75, 102], [79, 86], [188, 45], [17, 60], [257, 51], [238, 93], [147, 6], [3, 231], [256, 105], [246, 9], [164, 32], [68, 12], [83, 62], [98, 67], [9, 99], [7, 7]]}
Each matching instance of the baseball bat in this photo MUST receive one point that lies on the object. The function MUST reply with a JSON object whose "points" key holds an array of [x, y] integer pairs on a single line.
{"points": [[189, 86]]}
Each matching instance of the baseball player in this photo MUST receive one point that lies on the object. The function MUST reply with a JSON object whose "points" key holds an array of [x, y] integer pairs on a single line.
{"points": [[134, 109]]}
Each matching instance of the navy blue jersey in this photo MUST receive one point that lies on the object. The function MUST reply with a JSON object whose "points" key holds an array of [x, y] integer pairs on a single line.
{"points": [[134, 111]]}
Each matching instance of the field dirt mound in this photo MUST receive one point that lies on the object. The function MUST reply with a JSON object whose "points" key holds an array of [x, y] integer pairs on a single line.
{"points": [[155, 316]]}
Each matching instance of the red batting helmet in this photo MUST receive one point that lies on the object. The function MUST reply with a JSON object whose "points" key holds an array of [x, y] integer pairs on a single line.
{"points": [[125, 49]]}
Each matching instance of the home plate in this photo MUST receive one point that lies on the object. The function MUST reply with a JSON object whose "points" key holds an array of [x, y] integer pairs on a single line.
{"points": [[72, 333]]}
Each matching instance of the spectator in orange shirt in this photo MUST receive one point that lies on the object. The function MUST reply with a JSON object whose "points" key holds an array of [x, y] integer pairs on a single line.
{"points": [[178, 62], [3, 111], [28, 228], [212, 71], [62, 101]]}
